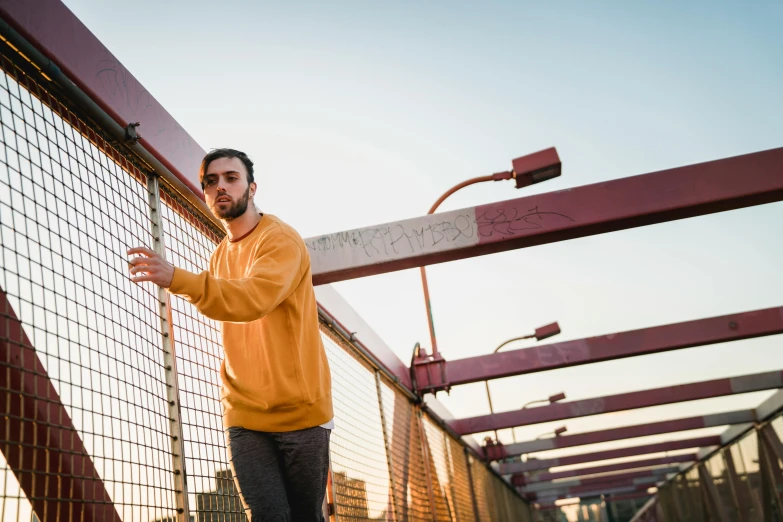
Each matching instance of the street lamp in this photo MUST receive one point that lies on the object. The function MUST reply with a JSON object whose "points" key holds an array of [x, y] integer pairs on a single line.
{"points": [[551, 400], [559, 431], [527, 170], [545, 332], [541, 333]]}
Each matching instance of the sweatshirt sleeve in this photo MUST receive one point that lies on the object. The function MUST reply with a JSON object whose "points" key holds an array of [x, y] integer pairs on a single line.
{"points": [[274, 275]]}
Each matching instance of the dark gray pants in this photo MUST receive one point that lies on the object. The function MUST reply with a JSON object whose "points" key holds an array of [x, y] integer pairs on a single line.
{"points": [[281, 477]]}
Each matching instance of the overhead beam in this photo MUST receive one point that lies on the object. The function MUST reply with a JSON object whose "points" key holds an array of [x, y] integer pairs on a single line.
{"points": [[633, 486], [574, 483], [683, 192], [627, 432], [599, 488], [620, 402], [520, 479], [614, 495], [507, 468], [701, 332]]}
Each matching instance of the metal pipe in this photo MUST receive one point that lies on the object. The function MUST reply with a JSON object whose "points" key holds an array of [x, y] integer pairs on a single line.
{"points": [[425, 286], [531, 336], [103, 119], [491, 410]]}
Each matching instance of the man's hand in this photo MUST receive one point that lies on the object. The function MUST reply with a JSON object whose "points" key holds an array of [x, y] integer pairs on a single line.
{"points": [[150, 267]]}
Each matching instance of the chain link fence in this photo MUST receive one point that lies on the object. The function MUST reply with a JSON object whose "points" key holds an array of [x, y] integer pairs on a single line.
{"points": [[110, 391]]}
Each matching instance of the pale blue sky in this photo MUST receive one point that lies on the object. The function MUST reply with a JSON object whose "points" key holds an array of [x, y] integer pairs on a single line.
{"points": [[363, 112]]}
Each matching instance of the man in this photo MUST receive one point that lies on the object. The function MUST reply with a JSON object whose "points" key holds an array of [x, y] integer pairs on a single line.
{"points": [[276, 393]]}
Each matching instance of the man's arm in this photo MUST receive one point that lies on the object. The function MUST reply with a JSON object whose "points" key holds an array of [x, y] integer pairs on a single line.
{"points": [[272, 277]]}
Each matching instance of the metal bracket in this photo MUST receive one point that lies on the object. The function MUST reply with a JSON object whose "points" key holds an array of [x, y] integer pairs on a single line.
{"points": [[428, 372], [494, 450], [131, 134]]}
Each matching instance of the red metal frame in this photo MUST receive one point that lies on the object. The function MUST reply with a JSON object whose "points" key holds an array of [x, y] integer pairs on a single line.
{"points": [[40, 443], [668, 195], [620, 402], [597, 485], [713, 330], [524, 479], [576, 485], [639, 492], [65, 40], [609, 488], [499, 451], [532, 464]]}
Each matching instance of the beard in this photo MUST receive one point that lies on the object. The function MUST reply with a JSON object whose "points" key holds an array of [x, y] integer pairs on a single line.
{"points": [[236, 209]]}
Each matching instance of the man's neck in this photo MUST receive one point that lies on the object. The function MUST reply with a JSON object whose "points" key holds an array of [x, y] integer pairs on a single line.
{"points": [[243, 225]]}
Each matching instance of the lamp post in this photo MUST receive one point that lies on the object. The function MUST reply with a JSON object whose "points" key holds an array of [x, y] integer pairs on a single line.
{"points": [[551, 400], [540, 334], [527, 170], [559, 431]]}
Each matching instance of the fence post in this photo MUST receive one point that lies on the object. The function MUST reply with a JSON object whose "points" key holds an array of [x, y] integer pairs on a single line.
{"points": [[740, 493], [331, 494], [389, 464], [471, 484], [712, 500], [769, 445], [169, 359]]}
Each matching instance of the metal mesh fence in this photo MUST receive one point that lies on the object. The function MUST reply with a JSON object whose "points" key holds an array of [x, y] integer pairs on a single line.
{"points": [[461, 486], [359, 471], [741, 482], [439, 471], [190, 242], [402, 432], [719, 474], [482, 486], [86, 424], [85, 430]]}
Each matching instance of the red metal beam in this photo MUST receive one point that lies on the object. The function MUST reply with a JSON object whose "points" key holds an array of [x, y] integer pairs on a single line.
{"points": [[40, 443], [498, 452], [713, 330], [507, 468], [678, 193], [609, 488], [67, 42], [575, 485], [616, 495], [620, 402], [520, 479]]}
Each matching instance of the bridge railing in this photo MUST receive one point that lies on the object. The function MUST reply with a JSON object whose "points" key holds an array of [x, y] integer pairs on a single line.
{"points": [[110, 390]]}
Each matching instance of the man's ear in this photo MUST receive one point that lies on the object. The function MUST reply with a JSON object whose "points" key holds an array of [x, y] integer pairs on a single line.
{"points": [[253, 187]]}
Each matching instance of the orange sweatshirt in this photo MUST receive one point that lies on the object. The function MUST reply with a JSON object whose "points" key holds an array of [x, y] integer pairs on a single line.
{"points": [[275, 372]]}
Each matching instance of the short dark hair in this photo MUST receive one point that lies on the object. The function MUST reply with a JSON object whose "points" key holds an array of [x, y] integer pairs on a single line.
{"points": [[225, 153]]}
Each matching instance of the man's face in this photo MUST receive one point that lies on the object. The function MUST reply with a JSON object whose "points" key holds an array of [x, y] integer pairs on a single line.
{"points": [[226, 190]]}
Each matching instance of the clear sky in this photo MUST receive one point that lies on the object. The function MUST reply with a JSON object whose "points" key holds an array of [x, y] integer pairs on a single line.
{"points": [[359, 113]]}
